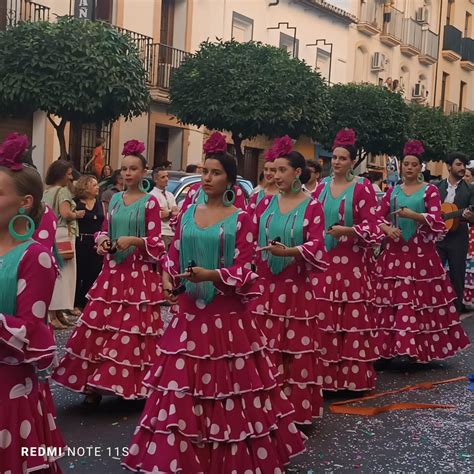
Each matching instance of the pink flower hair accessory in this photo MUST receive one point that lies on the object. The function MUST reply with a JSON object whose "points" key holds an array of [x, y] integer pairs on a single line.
{"points": [[269, 155], [216, 143], [12, 150], [344, 137], [282, 146], [413, 147], [133, 147]]}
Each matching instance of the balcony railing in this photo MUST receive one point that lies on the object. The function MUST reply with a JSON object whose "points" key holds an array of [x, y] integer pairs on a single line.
{"points": [[452, 43], [429, 47], [370, 18], [165, 60], [467, 54], [392, 28], [14, 11], [450, 107], [411, 37]]}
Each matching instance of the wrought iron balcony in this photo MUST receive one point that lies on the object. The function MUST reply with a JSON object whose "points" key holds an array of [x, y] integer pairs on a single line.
{"points": [[452, 43], [165, 60], [370, 18], [429, 48], [392, 28], [14, 11], [467, 54], [411, 37]]}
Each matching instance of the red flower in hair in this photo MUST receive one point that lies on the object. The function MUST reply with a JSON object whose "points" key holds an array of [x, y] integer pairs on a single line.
{"points": [[269, 155], [282, 146], [413, 147], [12, 149], [133, 147], [215, 144], [344, 137]]}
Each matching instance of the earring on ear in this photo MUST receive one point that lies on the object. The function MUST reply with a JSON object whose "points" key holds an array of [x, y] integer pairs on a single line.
{"points": [[30, 226], [296, 185]]}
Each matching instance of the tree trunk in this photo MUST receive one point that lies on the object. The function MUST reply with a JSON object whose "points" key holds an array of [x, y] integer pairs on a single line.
{"points": [[362, 157], [63, 155], [238, 152]]}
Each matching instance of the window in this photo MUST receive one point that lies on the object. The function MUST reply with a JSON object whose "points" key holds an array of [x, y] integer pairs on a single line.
{"points": [[242, 28], [450, 12], [289, 44], [361, 69], [323, 63], [468, 25], [167, 22], [444, 89], [462, 95], [103, 10]]}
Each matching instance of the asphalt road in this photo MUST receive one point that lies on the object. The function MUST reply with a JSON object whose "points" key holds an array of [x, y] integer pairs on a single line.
{"points": [[432, 441]]}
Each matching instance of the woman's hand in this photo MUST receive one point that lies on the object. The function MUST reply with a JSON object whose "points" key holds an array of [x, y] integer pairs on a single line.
{"points": [[124, 243], [80, 214], [197, 275], [103, 246], [277, 249], [392, 232], [337, 231], [168, 294], [407, 213]]}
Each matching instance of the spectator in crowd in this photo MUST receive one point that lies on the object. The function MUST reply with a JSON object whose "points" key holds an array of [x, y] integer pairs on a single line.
{"points": [[98, 158], [106, 173], [376, 178], [88, 262], [167, 201], [59, 197], [192, 168], [315, 170], [116, 181]]}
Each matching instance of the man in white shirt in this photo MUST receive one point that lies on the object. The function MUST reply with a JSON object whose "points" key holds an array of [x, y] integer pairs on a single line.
{"points": [[167, 202]]}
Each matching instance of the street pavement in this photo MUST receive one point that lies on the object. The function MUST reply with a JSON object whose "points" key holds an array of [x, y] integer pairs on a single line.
{"points": [[415, 441]]}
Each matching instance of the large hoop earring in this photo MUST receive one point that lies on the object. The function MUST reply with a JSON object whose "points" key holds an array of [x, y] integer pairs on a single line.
{"points": [[420, 178], [296, 185], [30, 226], [145, 186], [349, 175], [228, 201]]}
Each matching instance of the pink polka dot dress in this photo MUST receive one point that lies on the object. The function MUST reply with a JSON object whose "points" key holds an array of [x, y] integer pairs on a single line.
{"points": [[469, 281], [414, 297], [115, 342], [27, 352], [284, 310], [214, 407], [344, 295], [45, 233]]}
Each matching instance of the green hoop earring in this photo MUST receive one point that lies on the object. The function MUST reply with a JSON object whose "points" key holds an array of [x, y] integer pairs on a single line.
{"points": [[225, 197], [420, 178], [145, 186], [30, 227], [349, 175], [296, 185]]}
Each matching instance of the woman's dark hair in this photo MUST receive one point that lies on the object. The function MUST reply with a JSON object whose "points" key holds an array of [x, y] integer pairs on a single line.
{"points": [[28, 182], [457, 155], [317, 168], [297, 160], [352, 149], [260, 177], [102, 173], [57, 171], [228, 163]]}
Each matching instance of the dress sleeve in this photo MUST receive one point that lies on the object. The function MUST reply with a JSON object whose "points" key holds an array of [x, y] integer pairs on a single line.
{"points": [[240, 277], [65, 196], [154, 245], [170, 259], [25, 336], [365, 201], [383, 209], [252, 205], [239, 198], [45, 234], [435, 228], [313, 250]]}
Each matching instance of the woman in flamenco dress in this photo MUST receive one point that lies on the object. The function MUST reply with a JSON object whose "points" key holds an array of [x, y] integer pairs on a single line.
{"points": [[27, 346], [414, 298], [344, 293], [269, 186], [115, 342], [214, 406], [289, 229]]}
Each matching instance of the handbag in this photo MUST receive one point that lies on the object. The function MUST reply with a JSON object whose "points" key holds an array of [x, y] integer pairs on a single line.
{"points": [[65, 248]]}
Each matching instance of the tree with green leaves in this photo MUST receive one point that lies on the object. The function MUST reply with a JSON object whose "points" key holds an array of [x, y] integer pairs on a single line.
{"points": [[378, 116], [73, 69], [249, 89], [433, 128], [463, 129]]}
